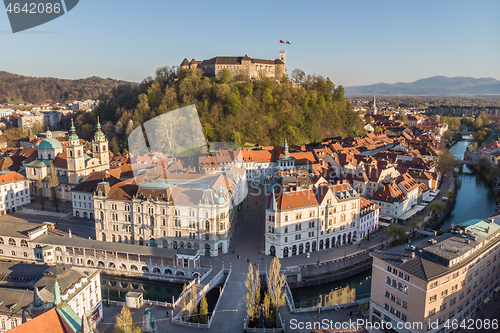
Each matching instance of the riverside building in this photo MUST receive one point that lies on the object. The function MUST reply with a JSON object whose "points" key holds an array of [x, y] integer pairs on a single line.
{"points": [[303, 217], [438, 280], [176, 211]]}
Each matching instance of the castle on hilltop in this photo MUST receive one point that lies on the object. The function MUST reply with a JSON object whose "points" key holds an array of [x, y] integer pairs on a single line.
{"points": [[241, 67]]}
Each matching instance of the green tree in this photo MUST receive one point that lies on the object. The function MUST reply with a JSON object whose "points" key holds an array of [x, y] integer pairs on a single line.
{"points": [[446, 162], [125, 322], [472, 146], [493, 174], [193, 298], [209, 132], [451, 194], [224, 76], [403, 117], [276, 283], [437, 207], [185, 301], [398, 232], [416, 223], [252, 297], [41, 196], [54, 187], [203, 310], [478, 124], [268, 311]]}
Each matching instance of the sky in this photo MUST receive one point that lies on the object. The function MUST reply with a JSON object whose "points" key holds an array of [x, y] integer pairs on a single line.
{"points": [[351, 42]]}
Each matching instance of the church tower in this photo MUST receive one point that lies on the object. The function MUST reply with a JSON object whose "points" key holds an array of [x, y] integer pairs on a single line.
{"points": [[100, 147], [75, 157], [374, 106]]}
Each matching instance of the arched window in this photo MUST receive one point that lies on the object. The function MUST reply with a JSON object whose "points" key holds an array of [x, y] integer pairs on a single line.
{"points": [[394, 283], [12, 242], [1, 240], [102, 215], [207, 225], [70, 153], [400, 286], [25, 243], [113, 238], [388, 280]]}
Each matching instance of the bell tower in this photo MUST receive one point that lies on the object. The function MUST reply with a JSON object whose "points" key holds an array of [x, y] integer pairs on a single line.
{"points": [[75, 158], [100, 147]]}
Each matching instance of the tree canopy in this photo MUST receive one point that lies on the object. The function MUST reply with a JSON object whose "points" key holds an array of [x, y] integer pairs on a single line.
{"points": [[307, 109]]}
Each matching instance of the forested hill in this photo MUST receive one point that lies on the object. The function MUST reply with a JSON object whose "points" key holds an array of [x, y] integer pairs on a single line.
{"points": [[44, 89], [258, 112]]}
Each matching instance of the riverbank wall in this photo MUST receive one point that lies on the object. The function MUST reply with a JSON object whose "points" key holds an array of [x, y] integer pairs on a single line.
{"points": [[330, 271], [437, 219], [314, 281]]}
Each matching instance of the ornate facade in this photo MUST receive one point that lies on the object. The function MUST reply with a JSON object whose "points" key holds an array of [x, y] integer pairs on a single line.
{"points": [[197, 213], [71, 164]]}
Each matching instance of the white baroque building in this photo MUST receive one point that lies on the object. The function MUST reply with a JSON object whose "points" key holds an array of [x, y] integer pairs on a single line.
{"points": [[192, 211], [14, 191], [308, 219]]}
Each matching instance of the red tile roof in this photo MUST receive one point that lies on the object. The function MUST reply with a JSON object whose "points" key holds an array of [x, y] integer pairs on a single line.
{"points": [[11, 177], [389, 193], [47, 322]]}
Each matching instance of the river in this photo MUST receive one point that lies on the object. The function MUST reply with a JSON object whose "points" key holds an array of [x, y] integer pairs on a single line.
{"points": [[340, 292], [475, 200], [116, 287]]}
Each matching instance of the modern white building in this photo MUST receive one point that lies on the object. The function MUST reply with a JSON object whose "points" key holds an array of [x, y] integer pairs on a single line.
{"points": [[14, 191]]}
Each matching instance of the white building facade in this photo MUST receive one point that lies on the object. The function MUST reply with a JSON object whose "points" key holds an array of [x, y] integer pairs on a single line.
{"points": [[305, 220], [14, 191]]}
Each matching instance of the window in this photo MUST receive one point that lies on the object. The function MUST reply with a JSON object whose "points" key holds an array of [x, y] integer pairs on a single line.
{"points": [[444, 293], [454, 288], [432, 312], [433, 298]]}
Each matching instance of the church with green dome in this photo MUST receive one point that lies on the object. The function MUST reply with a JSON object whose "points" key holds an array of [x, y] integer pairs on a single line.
{"points": [[70, 163]]}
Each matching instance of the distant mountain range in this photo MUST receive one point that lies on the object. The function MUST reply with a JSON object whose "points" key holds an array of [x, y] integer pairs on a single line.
{"points": [[437, 85]]}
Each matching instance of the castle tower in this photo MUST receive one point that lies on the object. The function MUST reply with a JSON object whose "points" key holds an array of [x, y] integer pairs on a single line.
{"points": [[285, 148], [75, 157], [100, 147], [283, 56]]}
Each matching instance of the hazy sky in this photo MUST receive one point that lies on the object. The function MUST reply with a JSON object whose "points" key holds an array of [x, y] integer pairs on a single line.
{"points": [[351, 42]]}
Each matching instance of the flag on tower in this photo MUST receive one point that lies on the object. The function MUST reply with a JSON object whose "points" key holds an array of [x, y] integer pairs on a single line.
{"points": [[281, 41], [288, 42]]}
